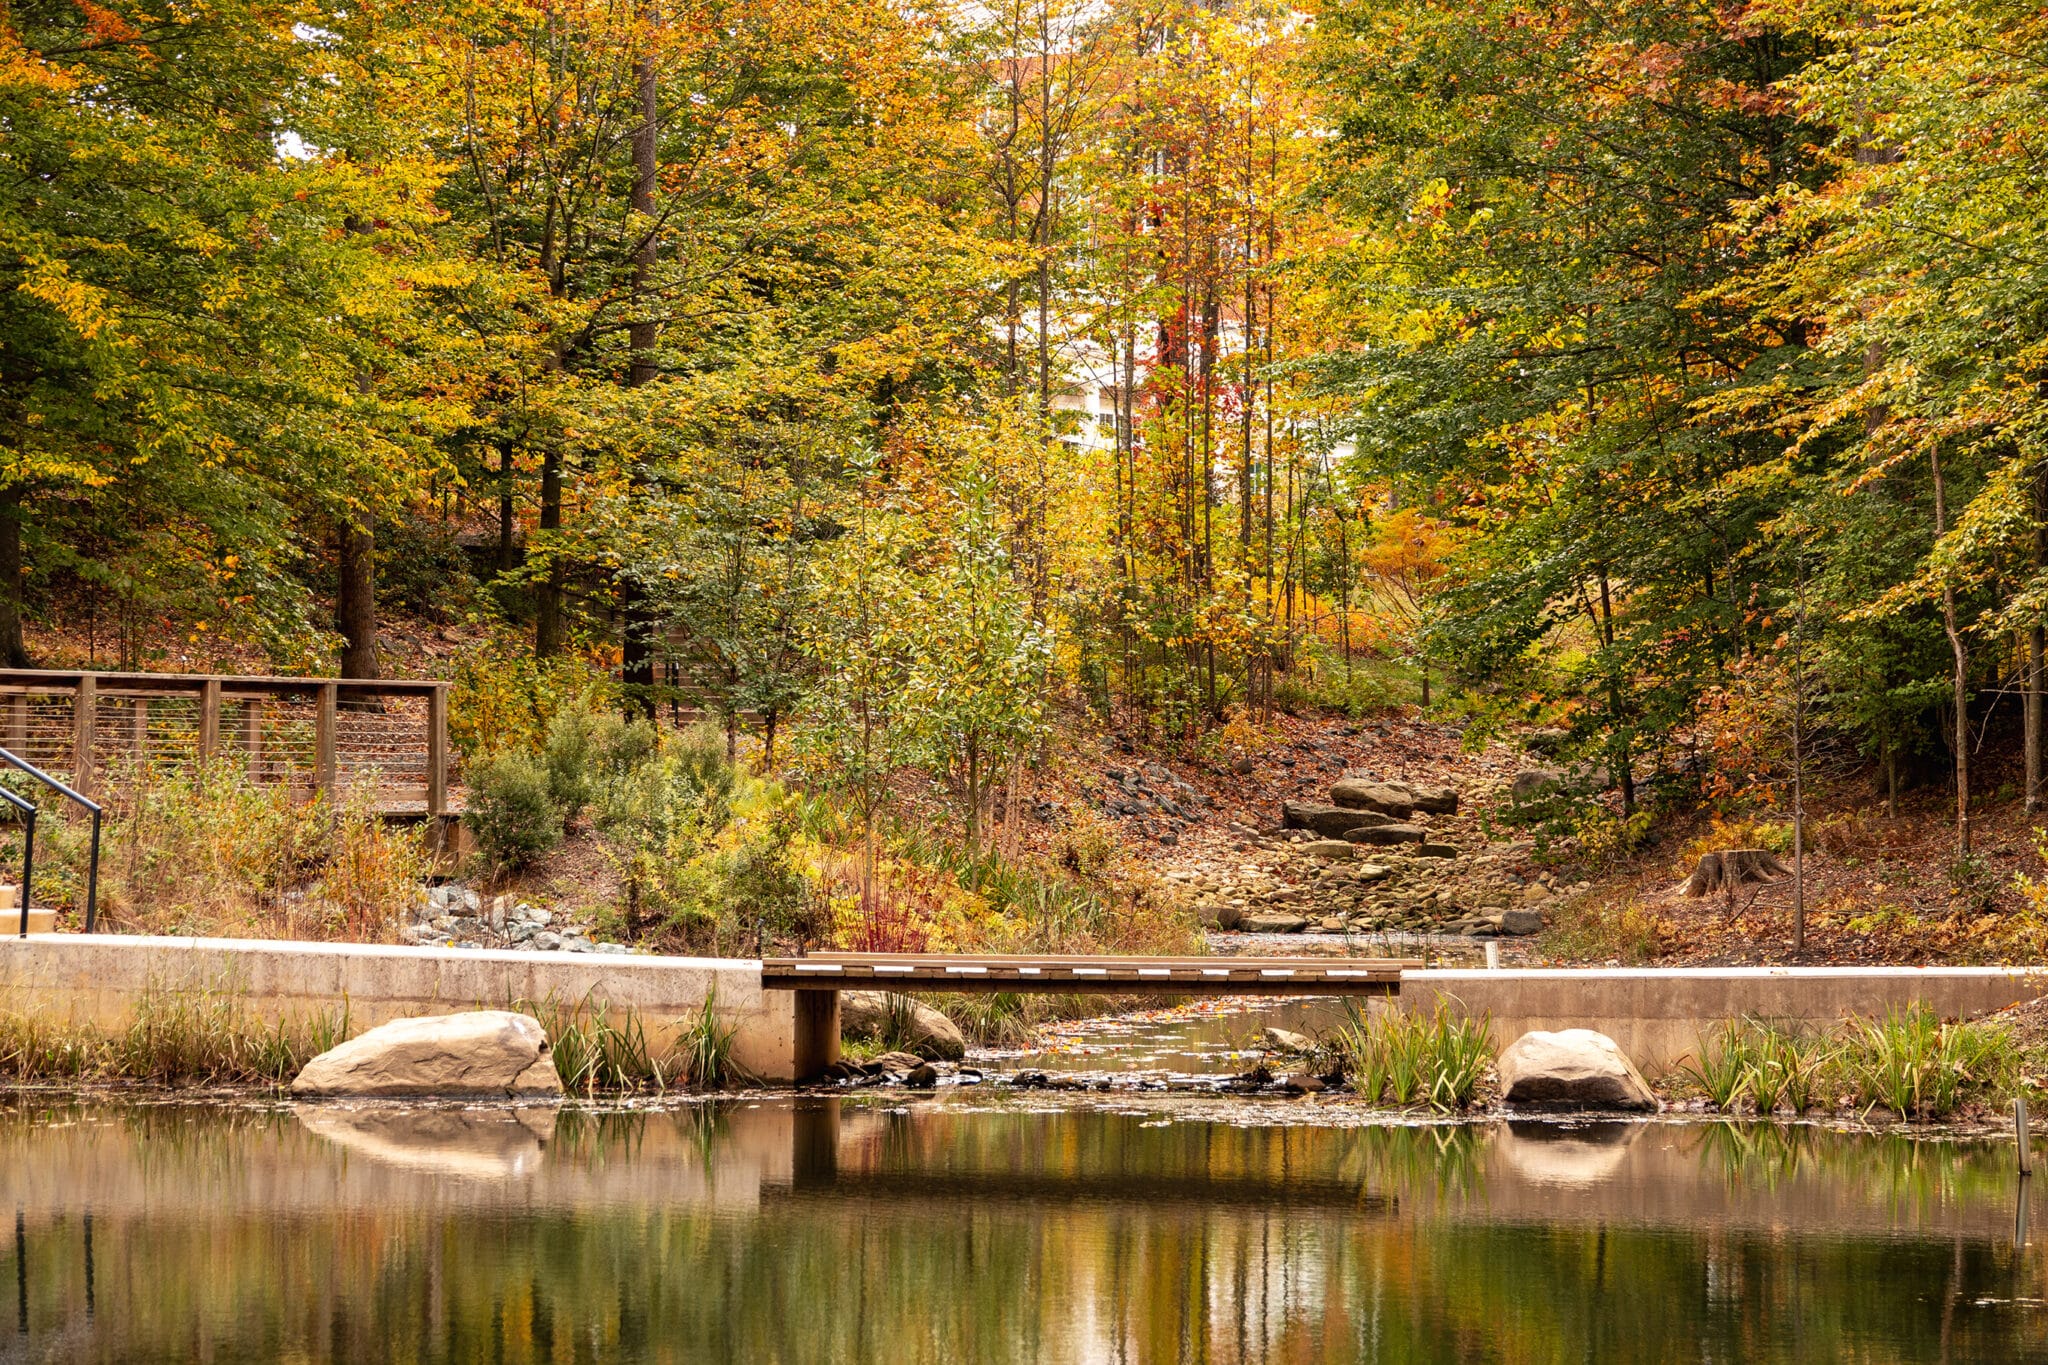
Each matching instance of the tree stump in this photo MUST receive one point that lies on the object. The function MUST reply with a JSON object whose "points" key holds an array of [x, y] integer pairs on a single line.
{"points": [[1733, 867]]}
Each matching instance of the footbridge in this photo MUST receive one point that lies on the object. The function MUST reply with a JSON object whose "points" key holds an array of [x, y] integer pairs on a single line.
{"points": [[1072, 975], [818, 978]]}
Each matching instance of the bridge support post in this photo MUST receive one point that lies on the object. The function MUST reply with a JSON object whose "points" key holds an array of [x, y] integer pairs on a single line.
{"points": [[817, 1032]]}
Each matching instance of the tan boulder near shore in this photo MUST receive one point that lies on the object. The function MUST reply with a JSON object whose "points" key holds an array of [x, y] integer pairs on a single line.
{"points": [[931, 1035], [1573, 1068], [476, 1054]]}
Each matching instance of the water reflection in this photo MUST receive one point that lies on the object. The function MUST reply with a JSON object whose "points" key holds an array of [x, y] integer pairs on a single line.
{"points": [[958, 1229]]}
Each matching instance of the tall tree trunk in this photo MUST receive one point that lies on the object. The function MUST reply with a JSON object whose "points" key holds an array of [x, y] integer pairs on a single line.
{"points": [[506, 510], [1620, 760], [636, 646], [355, 600], [2034, 651], [13, 648], [1961, 699], [547, 603]]}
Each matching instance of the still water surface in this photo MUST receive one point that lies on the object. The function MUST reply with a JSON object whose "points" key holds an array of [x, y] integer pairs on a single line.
{"points": [[971, 1226]]}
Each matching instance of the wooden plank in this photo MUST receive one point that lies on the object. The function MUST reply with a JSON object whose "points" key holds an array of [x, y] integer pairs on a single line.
{"points": [[1087, 975], [17, 725], [64, 681]]}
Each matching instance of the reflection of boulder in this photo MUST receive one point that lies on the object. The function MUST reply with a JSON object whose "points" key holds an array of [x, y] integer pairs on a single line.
{"points": [[1576, 1156], [472, 1144]]}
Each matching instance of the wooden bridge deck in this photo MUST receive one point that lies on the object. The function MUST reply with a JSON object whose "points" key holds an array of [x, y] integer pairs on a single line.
{"points": [[1057, 975]]}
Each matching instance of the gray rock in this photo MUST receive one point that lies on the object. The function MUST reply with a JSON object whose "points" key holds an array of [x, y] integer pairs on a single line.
{"points": [[899, 1061], [1272, 922], [921, 1077], [493, 1053], [1286, 1040], [1329, 821], [1388, 798], [1333, 849], [1520, 921], [1435, 800], [867, 1014], [547, 941], [1572, 1068], [1531, 783], [1387, 835], [1429, 850]]}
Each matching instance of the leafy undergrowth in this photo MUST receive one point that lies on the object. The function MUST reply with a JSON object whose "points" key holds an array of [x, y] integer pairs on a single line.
{"points": [[1879, 889], [204, 851]]}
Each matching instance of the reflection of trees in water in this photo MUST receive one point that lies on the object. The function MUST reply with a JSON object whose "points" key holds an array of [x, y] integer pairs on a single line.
{"points": [[1295, 1243]]}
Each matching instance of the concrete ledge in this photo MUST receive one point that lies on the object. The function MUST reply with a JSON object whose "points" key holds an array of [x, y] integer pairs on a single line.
{"points": [[1658, 1014], [97, 978]]}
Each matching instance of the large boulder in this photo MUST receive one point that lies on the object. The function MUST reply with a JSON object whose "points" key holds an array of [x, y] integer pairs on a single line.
{"points": [[1388, 798], [1332, 822], [1385, 836], [925, 1031], [1273, 922], [1573, 1068], [481, 1053], [1435, 800], [1531, 783]]}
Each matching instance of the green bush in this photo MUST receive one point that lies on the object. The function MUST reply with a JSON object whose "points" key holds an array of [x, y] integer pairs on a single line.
{"points": [[588, 751], [511, 812]]}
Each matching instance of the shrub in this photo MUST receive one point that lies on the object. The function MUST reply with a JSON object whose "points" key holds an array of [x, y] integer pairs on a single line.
{"points": [[504, 698], [511, 812]]}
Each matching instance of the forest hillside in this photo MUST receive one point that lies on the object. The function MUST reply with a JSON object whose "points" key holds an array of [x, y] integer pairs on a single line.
{"points": [[906, 475]]}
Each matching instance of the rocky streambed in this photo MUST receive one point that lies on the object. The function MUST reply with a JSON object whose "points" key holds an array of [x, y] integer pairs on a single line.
{"points": [[1379, 856]]}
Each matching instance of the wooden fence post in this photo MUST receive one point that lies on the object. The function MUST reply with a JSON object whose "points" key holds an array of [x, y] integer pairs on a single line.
{"points": [[252, 735], [17, 724], [209, 718], [323, 740], [437, 753], [140, 733], [85, 703]]}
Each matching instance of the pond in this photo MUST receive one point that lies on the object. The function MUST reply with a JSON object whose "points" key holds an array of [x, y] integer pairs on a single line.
{"points": [[980, 1225]]}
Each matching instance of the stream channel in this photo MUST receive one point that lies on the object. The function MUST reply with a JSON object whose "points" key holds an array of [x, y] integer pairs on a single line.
{"points": [[984, 1223]]}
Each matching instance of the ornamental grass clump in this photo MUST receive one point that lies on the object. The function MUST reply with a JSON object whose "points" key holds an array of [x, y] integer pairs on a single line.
{"points": [[594, 1052], [1768, 1066], [1438, 1059], [1913, 1063]]}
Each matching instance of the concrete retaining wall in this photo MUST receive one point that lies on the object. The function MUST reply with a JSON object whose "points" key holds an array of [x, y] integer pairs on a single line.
{"points": [[96, 979], [1658, 1014]]}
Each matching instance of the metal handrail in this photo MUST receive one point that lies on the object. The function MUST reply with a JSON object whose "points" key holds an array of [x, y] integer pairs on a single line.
{"points": [[28, 850], [28, 820]]}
